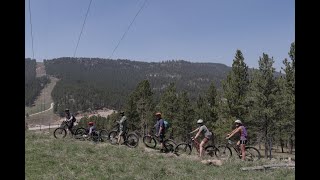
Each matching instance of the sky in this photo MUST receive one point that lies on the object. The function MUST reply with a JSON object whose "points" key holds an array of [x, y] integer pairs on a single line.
{"points": [[191, 30]]}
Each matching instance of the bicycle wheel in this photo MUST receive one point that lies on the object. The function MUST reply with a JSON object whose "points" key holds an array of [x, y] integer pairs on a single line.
{"points": [[149, 141], [113, 137], [132, 140], [182, 148], [169, 145], [212, 151], [60, 133], [80, 131], [224, 152], [252, 154], [104, 135]]}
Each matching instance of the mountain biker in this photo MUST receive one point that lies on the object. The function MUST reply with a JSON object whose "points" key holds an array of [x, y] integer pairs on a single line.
{"points": [[202, 129], [90, 130], [160, 130], [70, 119], [122, 126], [243, 137]]}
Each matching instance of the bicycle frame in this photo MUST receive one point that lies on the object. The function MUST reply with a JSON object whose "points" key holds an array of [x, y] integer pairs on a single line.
{"points": [[234, 146]]}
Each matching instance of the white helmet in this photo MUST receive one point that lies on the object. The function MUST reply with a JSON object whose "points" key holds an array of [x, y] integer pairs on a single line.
{"points": [[200, 121], [238, 121]]}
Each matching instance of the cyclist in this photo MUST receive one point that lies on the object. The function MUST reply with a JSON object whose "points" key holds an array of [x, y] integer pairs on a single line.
{"points": [[91, 130], [160, 130], [202, 129], [243, 137], [122, 126], [70, 119]]}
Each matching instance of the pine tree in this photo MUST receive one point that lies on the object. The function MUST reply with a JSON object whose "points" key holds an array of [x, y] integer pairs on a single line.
{"points": [[290, 94], [236, 87], [169, 104], [185, 116], [212, 105], [263, 91], [141, 103]]}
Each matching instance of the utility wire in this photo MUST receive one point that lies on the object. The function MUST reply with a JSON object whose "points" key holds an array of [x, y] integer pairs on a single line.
{"points": [[74, 54], [31, 30], [127, 29]]}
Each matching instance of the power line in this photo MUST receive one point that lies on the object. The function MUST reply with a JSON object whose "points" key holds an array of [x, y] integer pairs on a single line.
{"points": [[127, 29], [74, 54], [31, 30]]}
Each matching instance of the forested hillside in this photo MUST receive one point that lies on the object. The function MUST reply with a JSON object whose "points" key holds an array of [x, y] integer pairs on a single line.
{"points": [[33, 84], [92, 83]]}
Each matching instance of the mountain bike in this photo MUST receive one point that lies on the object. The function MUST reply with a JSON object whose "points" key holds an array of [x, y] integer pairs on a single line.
{"points": [[252, 154], [186, 148], [61, 132], [97, 136], [151, 140], [130, 138]]}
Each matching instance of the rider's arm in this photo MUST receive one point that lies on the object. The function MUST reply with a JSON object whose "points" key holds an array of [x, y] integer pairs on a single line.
{"points": [[198, 134], [194, 130], [234, 132]]}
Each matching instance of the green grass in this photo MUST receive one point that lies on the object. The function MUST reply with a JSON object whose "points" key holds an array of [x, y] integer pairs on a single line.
{"points": [[49, 158]]}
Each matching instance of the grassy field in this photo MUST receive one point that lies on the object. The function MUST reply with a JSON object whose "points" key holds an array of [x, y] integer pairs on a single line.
{"points": [[49, 158]]}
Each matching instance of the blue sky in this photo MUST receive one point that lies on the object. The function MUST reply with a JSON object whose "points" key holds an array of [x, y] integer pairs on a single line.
{"points": [[192, 30]]}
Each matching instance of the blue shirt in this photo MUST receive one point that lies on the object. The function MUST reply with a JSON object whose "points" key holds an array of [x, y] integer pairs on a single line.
{"points": [[160, 123]]}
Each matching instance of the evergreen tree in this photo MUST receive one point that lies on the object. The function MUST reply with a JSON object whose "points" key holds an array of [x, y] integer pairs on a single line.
{"points": [[185, 116], [263, 91], [169, 104], [235, 87]]}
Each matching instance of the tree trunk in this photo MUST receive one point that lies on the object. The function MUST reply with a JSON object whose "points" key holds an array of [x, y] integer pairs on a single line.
{"points": [[291, 144], [270, 147], [266, 140], [281, 144]]}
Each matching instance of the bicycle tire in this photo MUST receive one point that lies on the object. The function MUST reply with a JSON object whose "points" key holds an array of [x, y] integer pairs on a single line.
{"points": [[252, 154], [113, 137], [212, 151], [224, 151], [104, 136], [169, 145], [149, 141], [182, 148], [60, 133], [132, 140], [80, 131]]}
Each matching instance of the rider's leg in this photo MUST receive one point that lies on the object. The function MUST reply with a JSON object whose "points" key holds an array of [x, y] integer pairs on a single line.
{"points": [[203, 142], [161, 139], [238, 146], [119, 136], [70, 126], [243, 151]]}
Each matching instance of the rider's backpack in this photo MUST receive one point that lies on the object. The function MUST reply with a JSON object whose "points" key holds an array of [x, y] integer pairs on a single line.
{"points": [[166, 124]]}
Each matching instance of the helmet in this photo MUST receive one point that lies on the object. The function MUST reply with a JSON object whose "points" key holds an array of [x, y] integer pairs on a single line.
{"points": [[158, 114], [90, 123], [67, 110], [121, 112], [238, 121], [200, 121]]}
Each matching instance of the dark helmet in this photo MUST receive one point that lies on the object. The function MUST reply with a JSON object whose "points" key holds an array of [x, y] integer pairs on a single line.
{"points": [[122, 112], [67, 110]]}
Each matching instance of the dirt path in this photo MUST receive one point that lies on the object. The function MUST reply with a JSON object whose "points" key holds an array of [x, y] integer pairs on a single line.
{"points": [[51, 106]]}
